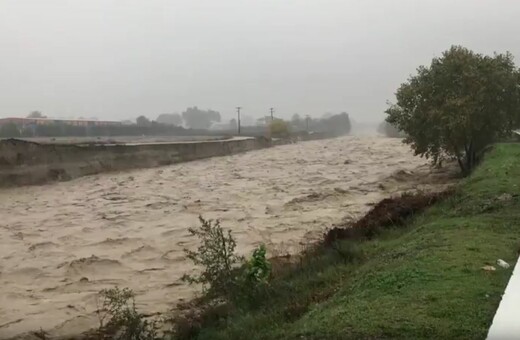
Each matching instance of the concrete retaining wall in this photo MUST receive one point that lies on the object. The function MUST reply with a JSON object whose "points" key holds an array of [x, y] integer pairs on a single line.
{"points": [[26, 163]]}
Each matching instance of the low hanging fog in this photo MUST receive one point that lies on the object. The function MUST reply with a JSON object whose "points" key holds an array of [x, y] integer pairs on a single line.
{"points": [[121, 59]]}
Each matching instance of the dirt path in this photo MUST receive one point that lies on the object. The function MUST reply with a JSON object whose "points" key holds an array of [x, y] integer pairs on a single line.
{"points": [[62, 243]]}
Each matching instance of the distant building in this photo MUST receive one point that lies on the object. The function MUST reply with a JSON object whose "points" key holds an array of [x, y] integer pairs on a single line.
{"points": [[26, 122]]}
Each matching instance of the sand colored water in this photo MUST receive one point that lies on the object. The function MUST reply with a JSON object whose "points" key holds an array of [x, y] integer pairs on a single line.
{"points": [[60, 244]]}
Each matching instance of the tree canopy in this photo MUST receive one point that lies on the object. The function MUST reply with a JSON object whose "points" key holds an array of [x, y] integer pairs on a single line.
{"points": [[458, 105], [142, 121], [279, 128], [200, 119], [35, 114], [338, 124], [170, 119]]}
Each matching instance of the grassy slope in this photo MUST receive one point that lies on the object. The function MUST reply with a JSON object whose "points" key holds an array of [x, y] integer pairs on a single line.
{"points": [[422, 281]]}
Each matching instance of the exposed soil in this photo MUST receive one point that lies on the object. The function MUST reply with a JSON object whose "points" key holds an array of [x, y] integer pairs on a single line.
{"points": [[388, 213]]}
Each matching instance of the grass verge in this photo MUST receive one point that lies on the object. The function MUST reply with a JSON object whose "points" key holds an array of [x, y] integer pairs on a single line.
{"points": [[424, 280]]}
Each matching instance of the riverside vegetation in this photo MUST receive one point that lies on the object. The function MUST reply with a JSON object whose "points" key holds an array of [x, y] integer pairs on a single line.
{"points": [[399, 272], [422, 280], [418, 277]]}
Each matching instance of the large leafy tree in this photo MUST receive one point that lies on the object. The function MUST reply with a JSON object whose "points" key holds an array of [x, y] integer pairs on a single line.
{"points": [[196, 118], [338, 124], [35, 114], [170, 119], [143, 121], [458, 105]]}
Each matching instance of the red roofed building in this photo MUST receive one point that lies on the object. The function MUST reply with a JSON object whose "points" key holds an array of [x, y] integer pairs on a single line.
{"points": [[23, 122]]}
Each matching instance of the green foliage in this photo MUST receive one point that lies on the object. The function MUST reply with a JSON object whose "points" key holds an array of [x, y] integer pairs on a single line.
{"points": [[258, 268], [217, 258], [458, 105], [119, 318], [169, 119], [143, 121], [338, 124], [279, 128], [348, 251], [199, 119], [36, 114], [424, 281]]}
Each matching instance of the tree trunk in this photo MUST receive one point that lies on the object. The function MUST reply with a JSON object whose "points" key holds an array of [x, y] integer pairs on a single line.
{"points": [[470, 159], [462, 166]]}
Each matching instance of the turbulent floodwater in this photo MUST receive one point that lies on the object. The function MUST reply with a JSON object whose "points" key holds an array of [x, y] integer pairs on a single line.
{"points": [[61, 244]]}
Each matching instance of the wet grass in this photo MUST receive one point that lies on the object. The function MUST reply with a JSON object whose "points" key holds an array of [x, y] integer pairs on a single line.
{"points": [[421, 281]]}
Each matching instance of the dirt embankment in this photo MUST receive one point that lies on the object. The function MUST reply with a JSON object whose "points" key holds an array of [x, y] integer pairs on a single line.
{"points": [[25, 163], [388, 213]]}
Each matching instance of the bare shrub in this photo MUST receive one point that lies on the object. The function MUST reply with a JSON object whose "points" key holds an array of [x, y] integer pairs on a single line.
{"points": [[119, 319], [216, 255]]}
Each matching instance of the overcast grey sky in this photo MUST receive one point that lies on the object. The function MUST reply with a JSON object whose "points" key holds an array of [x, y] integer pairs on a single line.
{"points": [[117, 59]]}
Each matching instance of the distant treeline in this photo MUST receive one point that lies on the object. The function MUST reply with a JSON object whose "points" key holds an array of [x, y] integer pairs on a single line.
{"points": [[338, 124]]}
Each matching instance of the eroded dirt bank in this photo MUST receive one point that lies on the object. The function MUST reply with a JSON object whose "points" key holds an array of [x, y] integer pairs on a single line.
{"points": [[62, 243]]}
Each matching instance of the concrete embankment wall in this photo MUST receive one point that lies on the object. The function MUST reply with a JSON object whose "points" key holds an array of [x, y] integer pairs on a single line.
{"points": [[26, 163]]}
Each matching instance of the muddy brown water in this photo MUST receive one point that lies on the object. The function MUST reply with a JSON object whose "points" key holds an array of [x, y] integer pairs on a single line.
{"points": [[60, 244]]}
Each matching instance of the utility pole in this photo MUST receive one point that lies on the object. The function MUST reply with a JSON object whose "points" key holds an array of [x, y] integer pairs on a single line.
{"points": [[272, 111], [307, 122], [238, 112]]}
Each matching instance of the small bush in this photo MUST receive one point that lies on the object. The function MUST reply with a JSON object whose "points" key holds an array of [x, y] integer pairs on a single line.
{"points": [[279, 128], [258, 268], [216, 255], [119, 319]]}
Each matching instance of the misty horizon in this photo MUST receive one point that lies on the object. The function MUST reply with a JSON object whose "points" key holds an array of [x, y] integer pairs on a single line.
{"points": [[117, 60]]}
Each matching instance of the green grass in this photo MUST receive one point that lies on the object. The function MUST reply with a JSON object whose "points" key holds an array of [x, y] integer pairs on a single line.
{"points": [[424, 280]]}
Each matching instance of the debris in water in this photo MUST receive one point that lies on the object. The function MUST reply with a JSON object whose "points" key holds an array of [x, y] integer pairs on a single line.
{"points": [[341, 191]]}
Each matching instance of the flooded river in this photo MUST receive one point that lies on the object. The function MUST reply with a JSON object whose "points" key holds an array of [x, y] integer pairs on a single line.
{"points": [[60, 244]]}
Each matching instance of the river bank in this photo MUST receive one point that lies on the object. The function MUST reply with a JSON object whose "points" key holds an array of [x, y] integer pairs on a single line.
{"points": [[435, 277], [64, 242]]}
